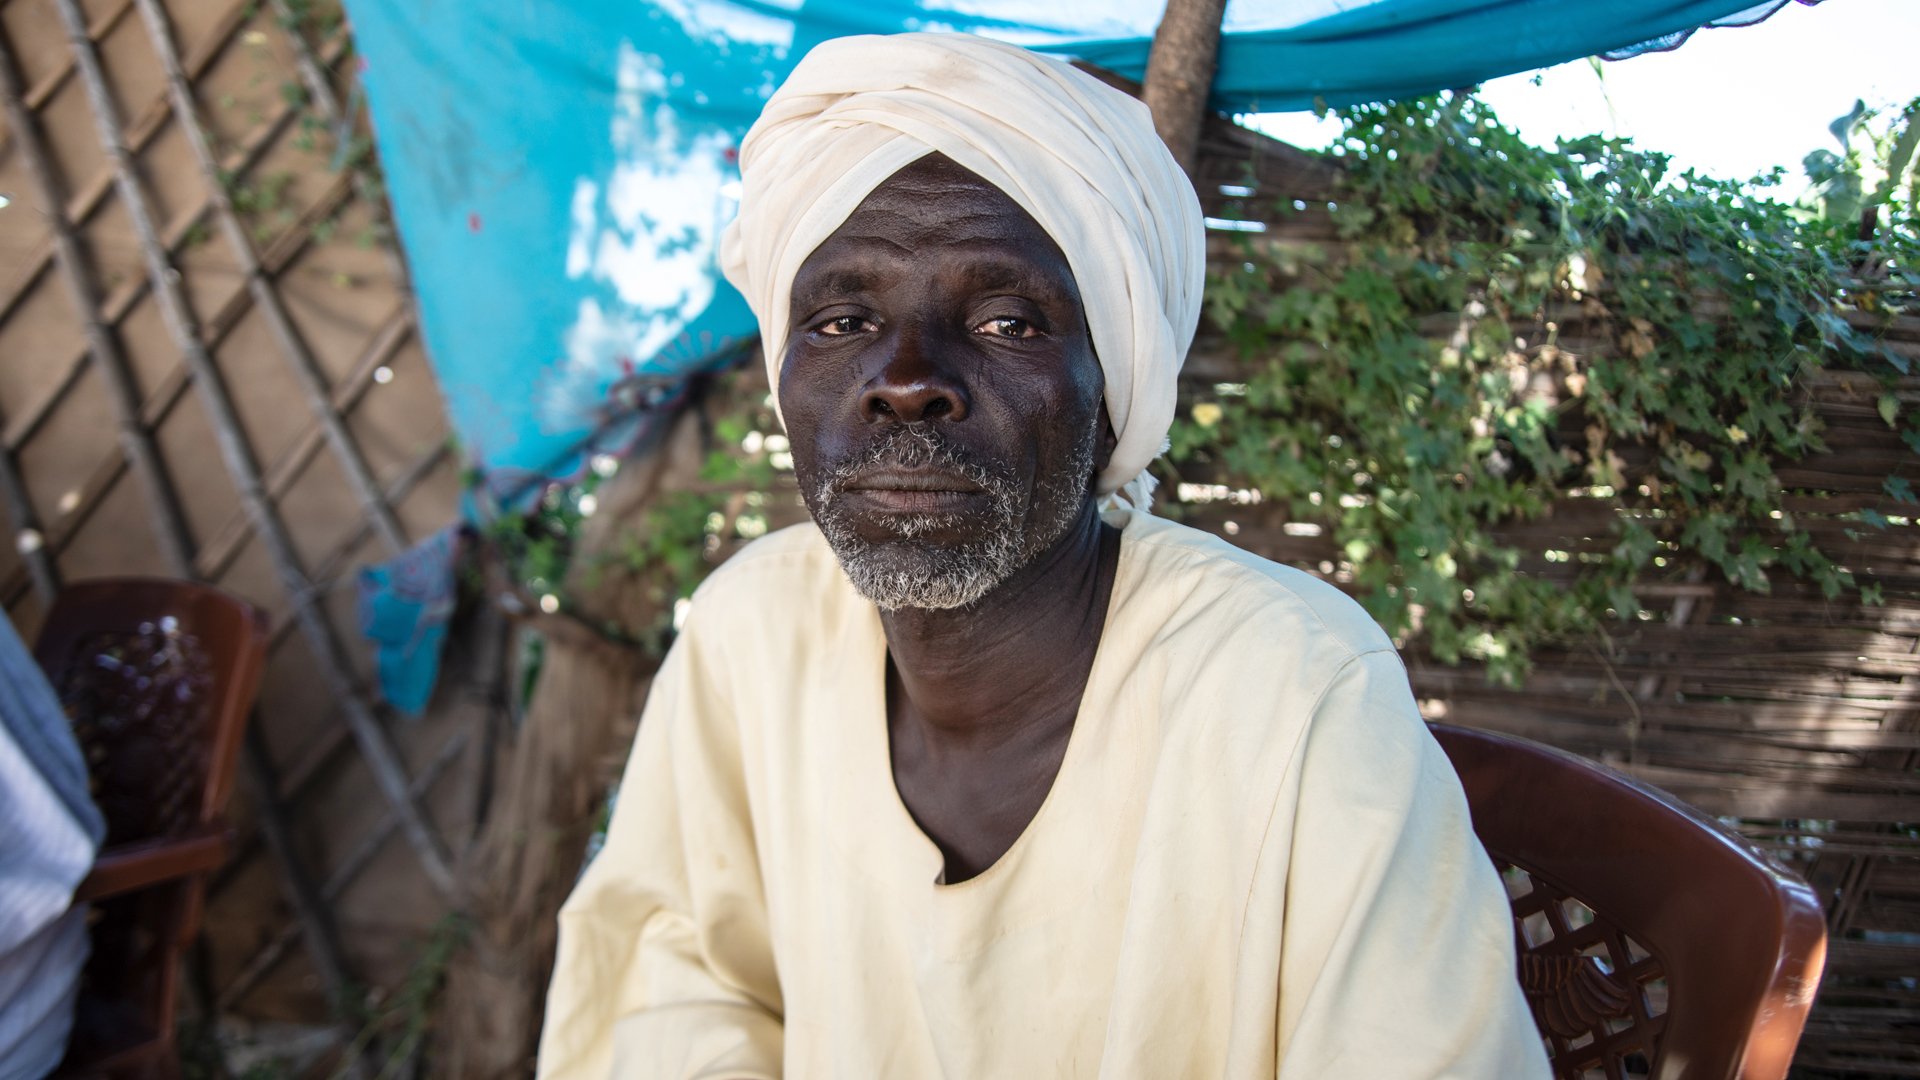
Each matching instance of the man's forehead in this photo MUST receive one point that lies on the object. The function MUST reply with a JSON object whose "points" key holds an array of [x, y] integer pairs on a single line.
{"points": [[936, 171], [935, 193], [854, 265], [930, 204]]}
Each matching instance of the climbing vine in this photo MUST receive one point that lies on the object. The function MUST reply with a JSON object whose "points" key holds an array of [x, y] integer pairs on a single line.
{"points": [[1504, 326]]}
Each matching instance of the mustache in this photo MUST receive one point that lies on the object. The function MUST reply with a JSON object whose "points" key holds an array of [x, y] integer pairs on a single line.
{"points": [[916, 445]]}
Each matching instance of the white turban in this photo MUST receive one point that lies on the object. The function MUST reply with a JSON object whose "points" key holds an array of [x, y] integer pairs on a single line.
{"points": [[1078, 155]]}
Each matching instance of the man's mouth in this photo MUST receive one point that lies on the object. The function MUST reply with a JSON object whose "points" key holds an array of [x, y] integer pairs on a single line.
{"points": [[899, 490]]}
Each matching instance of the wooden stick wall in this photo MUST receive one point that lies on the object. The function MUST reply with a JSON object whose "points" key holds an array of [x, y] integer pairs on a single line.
{"points": [[140, 260]]}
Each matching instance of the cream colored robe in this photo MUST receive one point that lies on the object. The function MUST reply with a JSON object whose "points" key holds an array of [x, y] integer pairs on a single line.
{"points": [[1254, 861]]}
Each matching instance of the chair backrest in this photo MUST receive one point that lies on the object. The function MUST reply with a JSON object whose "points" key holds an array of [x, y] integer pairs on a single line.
{"points": [[157, 676], [1653, 941]]}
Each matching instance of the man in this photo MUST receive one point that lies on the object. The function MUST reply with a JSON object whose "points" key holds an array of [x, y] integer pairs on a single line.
{"points": [[973, 779]]}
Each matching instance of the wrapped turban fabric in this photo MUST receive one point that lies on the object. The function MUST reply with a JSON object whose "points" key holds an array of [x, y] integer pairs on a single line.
{"points": [[1079, 156]]}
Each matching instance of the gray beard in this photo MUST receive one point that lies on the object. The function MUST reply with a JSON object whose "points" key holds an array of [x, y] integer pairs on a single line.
{"points": [[908, 572]]}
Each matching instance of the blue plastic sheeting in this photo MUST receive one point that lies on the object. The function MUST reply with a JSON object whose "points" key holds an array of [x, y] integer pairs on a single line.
{"points": [[560, 172], [405, 605], [1404, 48]]}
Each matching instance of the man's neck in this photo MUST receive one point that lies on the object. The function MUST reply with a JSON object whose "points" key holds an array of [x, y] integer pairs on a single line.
{"points": [[980, 675]]}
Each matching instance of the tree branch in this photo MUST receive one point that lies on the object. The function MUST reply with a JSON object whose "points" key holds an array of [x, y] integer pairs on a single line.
{"points": [[1180, 71]]}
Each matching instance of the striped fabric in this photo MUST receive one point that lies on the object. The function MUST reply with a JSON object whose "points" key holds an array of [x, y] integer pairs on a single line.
{"points": [[49, 832]]}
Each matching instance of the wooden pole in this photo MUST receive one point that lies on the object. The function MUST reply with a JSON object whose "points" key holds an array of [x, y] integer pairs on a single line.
{"points": [[324, 747], [313, 76], [136, 441], [1180, 69], [310, 911], [552, 783], [344, 875], [229, 541], [382, 758], [29, 537]]}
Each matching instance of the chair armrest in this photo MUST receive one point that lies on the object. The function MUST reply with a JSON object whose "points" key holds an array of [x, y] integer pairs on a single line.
{"points": [[126, 867]]}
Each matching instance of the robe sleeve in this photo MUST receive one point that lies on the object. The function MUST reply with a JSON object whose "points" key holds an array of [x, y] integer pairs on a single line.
{"points": [[665, 966], [1397, 951]]}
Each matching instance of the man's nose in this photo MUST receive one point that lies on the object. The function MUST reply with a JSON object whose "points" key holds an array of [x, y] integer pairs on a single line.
{"points": [[911, 386]]}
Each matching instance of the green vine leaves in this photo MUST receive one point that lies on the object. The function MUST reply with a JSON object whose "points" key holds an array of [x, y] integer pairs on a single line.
{"points": [[1505, 332], [1506, 328]]}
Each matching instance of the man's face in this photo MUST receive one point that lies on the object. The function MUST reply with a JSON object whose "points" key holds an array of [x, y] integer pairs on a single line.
{"points": [[940, 389]]}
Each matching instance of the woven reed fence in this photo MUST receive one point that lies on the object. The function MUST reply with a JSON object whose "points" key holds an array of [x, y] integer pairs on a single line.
{"points": [[209, 370]]}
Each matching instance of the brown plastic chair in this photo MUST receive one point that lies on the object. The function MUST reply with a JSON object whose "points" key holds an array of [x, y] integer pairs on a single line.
{"points": [[157, 677], [1653, 942]]}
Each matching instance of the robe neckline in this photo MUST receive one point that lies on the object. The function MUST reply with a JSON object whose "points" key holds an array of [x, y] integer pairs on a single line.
{"points": [[1092, 724]]}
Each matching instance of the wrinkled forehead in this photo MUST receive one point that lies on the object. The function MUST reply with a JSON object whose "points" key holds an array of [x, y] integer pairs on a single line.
{"points": [[934, 206]]}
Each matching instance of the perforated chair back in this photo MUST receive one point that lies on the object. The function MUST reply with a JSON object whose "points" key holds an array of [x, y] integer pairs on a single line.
{"points": [[157, 678], [1653, 942]]}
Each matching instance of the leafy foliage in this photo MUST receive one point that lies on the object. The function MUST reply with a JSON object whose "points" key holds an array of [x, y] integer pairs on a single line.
{"points": [[398, 1023], [1510, 326], [686, 533], [1874, 170], [680, 537]]}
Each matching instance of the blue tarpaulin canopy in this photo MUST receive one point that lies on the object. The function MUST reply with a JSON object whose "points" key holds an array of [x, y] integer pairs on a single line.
{"points": [[560, 173]]}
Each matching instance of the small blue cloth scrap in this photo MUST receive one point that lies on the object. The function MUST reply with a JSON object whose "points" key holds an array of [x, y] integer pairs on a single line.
{"points": [[405, 605]]}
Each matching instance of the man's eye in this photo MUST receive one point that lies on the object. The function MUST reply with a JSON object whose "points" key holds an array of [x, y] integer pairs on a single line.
{"points": [[845, 324], [1008, 328]]}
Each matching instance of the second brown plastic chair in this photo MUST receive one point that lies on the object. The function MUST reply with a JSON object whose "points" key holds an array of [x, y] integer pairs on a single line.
{"points": [[157, 677], [1653, 941]]}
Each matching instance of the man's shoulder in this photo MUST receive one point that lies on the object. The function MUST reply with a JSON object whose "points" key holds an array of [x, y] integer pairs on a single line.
{"points": [[1218, 589]]}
